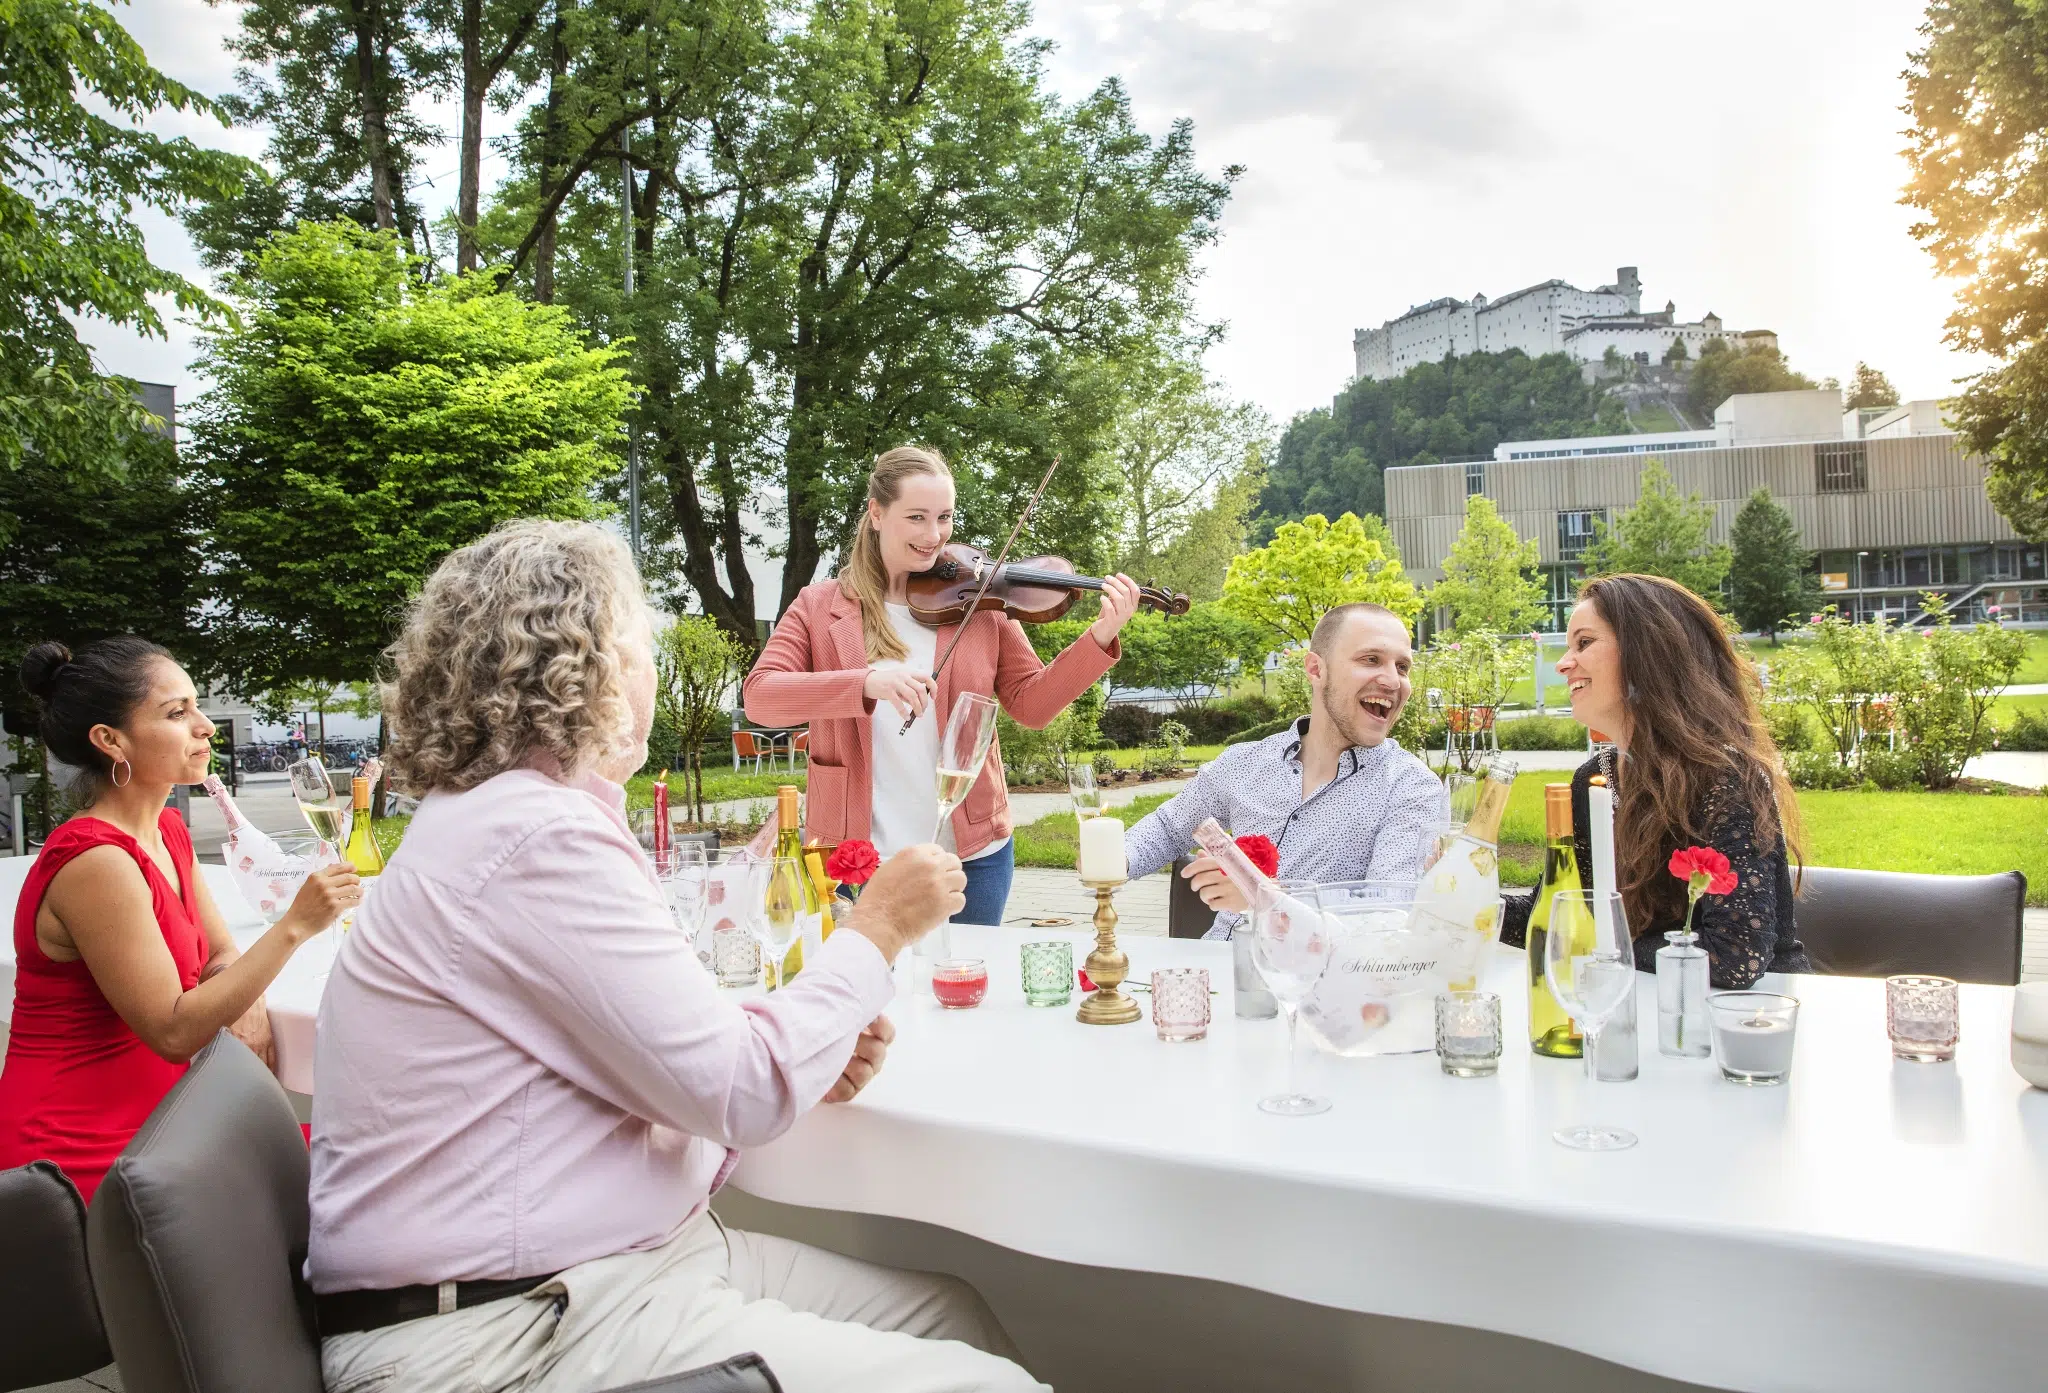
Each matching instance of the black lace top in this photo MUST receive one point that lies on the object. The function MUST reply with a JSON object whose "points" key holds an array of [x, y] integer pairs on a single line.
{"points": [[1747, 932]]}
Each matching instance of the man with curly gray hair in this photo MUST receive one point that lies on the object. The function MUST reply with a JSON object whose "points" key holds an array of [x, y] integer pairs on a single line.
{"points": [[526, 1086]]}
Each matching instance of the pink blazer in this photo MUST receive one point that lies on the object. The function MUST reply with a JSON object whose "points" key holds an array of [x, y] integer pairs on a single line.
{"points": [[816, 663]]}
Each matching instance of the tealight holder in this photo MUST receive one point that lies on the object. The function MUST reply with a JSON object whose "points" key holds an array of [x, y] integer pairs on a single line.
{"points": [[1468, 1033], [1180, 1003], [1922, 1018], [1048, 970]]}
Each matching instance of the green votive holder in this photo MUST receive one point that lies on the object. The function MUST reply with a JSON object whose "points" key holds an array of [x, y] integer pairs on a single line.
{"points": [[1048, 973]]}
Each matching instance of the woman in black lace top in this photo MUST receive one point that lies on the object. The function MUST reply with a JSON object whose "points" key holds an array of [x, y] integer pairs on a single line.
{"points": [[1650, 665]]}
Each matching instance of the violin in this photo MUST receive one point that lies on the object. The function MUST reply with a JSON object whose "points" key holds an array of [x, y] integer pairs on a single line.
{"points": [[1036, 590]]}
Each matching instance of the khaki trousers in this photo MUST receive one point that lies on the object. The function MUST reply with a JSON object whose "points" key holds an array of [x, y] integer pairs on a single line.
{"points": [[824, 1324]]}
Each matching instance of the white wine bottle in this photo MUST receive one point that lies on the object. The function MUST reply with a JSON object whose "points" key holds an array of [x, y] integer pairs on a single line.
{"points": [[363, 852], [1551, 1031], [789, 844]]}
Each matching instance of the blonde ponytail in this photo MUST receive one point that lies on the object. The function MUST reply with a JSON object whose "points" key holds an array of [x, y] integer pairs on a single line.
{"points": [[863, 576]]}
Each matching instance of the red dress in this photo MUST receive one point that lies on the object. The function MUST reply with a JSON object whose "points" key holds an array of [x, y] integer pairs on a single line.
{"points": [[78, 1083]]}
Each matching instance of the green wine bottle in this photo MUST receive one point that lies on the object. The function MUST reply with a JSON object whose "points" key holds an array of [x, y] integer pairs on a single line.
{"points": [[1551, 1031]]}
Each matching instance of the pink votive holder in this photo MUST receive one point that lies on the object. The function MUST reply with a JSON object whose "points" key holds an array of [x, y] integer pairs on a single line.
{"points": [[1180, 1003], [960, 983]]}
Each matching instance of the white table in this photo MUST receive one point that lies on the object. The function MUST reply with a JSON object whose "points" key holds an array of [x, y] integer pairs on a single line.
{"points": [[1868, 1226]]}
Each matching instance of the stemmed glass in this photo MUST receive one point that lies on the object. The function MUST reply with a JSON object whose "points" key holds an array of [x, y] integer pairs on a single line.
{"points": [[325, 811], [685, 875], [1292, 944], [781, 920], [963, 749], [1590, 962]]}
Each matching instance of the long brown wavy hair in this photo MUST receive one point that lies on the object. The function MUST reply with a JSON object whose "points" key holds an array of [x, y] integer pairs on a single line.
{"points": [[863, 576], [1694, 725]]}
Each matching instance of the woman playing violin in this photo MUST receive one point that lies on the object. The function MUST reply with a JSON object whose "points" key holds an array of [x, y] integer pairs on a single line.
{"points": [[849, 658]]}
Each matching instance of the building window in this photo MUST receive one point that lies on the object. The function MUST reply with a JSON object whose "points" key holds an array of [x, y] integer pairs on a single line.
{"points": [[1840, 467], [1575, 531], [1475, 477]]}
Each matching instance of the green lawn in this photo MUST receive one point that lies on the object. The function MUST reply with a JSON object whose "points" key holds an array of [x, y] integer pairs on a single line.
{"points": [[2005, 708], [1931, 833], [1053, 841], [1190, 754]]}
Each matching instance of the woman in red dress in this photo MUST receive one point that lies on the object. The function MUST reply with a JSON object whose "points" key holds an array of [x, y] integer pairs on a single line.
{"points": [[124, 967]]}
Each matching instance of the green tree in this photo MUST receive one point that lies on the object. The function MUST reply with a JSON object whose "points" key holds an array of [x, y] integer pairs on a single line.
{"points": [[1196, 561], [1677, 353], [362, 426], [1330, 460], [1176, 447], [1870, 388], [1723, 372], [696, 665], [334, 84], [1490, 582], [1665, 534], [857, 225], [1978, 95], [1308, 569], [77, 165], [1201, 648], [1771, 578]]}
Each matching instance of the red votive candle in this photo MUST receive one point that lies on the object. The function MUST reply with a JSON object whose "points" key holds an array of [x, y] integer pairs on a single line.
{"points": [[959, 983]]}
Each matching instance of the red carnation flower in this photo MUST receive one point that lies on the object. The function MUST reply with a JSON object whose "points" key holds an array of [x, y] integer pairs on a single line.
{"points": [[852, 862], [1261, 852], [1704, 871]]}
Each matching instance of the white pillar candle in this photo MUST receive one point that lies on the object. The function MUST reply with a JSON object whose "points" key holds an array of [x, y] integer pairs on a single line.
{"points": [[1102, 850], [1755, 1045], [1600, 814]]}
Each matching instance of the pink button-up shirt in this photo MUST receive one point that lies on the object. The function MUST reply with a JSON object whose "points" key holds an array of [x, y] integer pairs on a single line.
{"points": [[521, 1065]]}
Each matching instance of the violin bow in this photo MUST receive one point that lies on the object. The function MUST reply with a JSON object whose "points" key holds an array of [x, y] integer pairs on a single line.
{"points": [[987, 579]]}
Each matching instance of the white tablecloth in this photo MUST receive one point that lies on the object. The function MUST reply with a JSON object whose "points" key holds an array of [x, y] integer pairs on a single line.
{"points": [[1870, 1226]]}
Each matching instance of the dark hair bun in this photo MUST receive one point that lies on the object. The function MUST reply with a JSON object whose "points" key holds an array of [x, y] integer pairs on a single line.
{"points": [[40, 668]]}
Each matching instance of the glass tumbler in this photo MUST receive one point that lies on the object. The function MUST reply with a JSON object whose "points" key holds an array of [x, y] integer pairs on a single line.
{"points": [[1048, 972], [1468, 1033], [1920, 1013], [1180, 1003]]}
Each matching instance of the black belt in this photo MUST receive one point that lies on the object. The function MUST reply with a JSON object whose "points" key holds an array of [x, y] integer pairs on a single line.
{"points": [[342, 1312]]}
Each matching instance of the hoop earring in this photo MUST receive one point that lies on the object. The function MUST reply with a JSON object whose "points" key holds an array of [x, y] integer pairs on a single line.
{"points": [[113, 775]]}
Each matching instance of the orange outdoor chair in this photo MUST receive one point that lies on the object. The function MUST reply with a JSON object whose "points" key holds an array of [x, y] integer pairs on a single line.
{"points": [[747, 745], [800, 744]]}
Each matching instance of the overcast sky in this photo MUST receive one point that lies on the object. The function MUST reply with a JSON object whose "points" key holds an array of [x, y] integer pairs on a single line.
{"points": [[1744, 155]]}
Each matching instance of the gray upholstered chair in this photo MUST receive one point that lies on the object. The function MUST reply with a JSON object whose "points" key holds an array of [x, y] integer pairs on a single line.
{"points": [[1186, 915], [1877, 923], [52, 1321], [198, 1235]]}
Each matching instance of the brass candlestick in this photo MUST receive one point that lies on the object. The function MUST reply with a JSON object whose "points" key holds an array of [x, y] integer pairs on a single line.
{"points": [[1106, 966]]}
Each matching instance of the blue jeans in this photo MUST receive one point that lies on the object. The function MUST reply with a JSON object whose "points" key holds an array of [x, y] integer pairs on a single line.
{"points": [[988, 886]]}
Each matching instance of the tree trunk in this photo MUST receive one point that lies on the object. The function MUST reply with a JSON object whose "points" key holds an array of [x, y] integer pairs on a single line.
{"points": [[474, 82], [553, 137], [368, 17]]}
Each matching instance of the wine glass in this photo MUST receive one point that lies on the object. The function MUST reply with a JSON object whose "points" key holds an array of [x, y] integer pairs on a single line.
{"points": [[1081, 789], [963, 749], [781, 921], [685, 875], [325, 811], [1590, 962], [1292, 944]]}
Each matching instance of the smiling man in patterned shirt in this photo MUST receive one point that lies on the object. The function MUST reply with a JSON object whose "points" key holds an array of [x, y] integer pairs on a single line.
{"points": [[1339, 798]]}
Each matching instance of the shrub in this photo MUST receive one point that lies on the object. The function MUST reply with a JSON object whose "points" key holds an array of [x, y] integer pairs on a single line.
{"points": [[1130, 727], [1893, 771], [1214, 722], [1041, 756], [1794, 729], [1260, 732], [1819, 769], [1541, 733], [2027, 732]]}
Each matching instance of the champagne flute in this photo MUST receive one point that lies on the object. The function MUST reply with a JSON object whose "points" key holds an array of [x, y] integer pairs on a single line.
{"points": [[685, 875], [325, 811], [1081, 789], [1590, 963], [963, 749], [1292, 946], [780, 922]]}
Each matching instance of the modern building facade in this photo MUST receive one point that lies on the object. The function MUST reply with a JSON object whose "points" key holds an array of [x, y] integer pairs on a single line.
{"points": [[1552, 317], [1889, 501]]}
